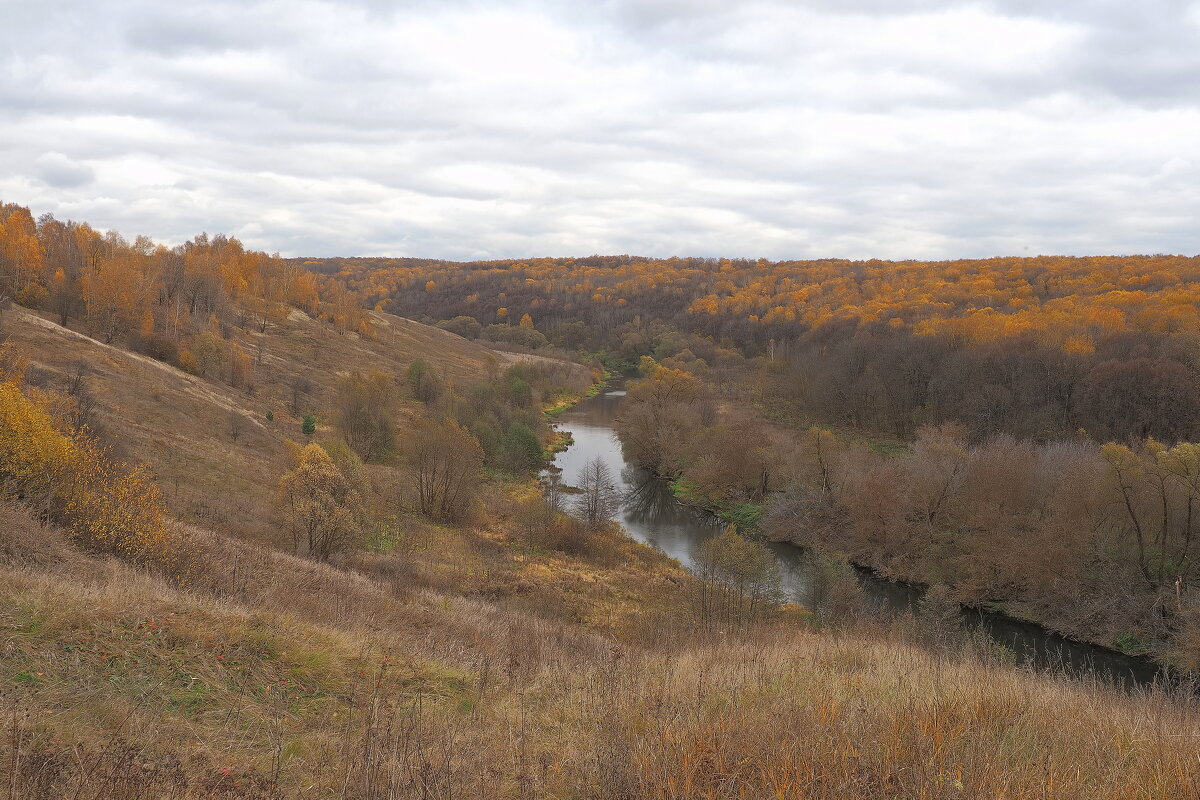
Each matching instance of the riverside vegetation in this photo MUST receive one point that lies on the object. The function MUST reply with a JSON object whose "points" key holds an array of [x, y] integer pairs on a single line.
{"points": [[1018, 431], [311, 560]]}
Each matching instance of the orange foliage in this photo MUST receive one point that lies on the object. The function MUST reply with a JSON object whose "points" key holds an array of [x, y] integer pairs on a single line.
{"points": [[143, 290], [1061, 301]]}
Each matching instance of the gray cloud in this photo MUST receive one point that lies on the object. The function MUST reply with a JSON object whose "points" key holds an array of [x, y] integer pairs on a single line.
{"points": [[477, 128], [62, 172]]}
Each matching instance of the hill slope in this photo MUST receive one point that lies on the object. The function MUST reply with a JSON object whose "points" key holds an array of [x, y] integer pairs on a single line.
{"points": [[303, 680], [180, 424]]}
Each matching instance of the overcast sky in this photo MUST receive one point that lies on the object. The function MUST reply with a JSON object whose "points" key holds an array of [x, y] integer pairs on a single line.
{"points": [[843, 128]]}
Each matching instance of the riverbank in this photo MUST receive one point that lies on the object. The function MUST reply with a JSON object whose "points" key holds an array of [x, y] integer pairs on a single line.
{"points": [[655, 515], [566, 402], [1024, 630]]}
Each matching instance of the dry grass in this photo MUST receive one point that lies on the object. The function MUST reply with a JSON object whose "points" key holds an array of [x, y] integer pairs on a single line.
{"points": [[285, 678], [814, 717]]}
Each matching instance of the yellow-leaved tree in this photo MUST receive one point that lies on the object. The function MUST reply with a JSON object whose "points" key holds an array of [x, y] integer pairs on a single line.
{"points": [[66, 477], [318, 502]]}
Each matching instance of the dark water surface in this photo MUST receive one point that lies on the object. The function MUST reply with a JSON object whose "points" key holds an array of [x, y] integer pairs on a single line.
{"points": [[651, 514]]}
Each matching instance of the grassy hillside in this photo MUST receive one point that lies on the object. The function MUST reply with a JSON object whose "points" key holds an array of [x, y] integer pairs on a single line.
{"points": [[181, 425], [284, 678]]}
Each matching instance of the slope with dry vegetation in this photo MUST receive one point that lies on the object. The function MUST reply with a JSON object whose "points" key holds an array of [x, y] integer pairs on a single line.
{"points": [[285, 678]]}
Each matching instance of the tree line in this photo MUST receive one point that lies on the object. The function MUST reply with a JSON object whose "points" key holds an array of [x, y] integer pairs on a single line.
{"points": [[176, 304], [1039, 347]]}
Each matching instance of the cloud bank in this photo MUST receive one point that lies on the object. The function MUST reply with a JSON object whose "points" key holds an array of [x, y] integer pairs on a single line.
{"points": [[477, 129]]}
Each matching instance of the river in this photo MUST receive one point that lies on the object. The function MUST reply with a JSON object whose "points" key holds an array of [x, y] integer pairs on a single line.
{"points": [[651, 514]]}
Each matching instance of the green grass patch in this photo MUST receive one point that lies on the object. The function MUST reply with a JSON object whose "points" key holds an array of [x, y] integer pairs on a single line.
{"points": [[1130, 643], [25, 678], [687, 491], [890, 449], [560, 441], [745, 515]]}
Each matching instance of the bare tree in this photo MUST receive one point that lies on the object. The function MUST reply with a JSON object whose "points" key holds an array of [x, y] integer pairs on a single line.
{"points": [[84, 407], [446, 463], [5, 302], [599, 498], [553, 485], [237, 425]]}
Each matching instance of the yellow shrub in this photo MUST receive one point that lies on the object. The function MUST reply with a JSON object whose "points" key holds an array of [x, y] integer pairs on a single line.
{"points": [[70, 479], [116, 509], [35, 458]]}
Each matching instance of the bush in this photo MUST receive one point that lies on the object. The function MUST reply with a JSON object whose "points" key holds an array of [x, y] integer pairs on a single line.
{"points": [[32, 295], [156, 346], [834, 591], [466, 327], [739, 579], [446, 465], [309, 426], [69, 479], [520, 449], [515, 334], [939, 616], [426, 385], [208, 353], [187, 363], [319, 502], [364, 414]]}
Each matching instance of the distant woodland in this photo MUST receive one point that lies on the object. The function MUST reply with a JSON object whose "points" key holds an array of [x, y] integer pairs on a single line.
{"points": [[1036, 347]]}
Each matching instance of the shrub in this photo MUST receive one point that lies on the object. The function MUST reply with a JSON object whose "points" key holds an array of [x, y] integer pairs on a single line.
{"points": [[241, 368], [363, 414], [834, 591], [158, 347], [35, 458], [425, 384], [466, 327], [33, 295], [309, 426], [208, 353], [739, 579], [187, 363], [117, 509], [318, 501], [521, 450], [237, 425], [70, 479], [446, 464], [515, 334]]}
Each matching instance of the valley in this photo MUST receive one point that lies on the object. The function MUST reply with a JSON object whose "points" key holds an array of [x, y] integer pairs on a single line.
{"points": [[282, 545]]}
